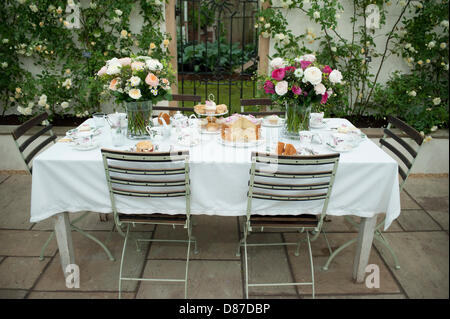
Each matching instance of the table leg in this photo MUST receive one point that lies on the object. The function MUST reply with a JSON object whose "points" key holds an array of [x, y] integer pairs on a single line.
{"points": [[363, 247], [64, 239]]}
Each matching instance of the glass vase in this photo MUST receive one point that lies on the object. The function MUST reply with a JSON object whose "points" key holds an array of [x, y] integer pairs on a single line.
{"points": [[297, 119], [139, 115]]}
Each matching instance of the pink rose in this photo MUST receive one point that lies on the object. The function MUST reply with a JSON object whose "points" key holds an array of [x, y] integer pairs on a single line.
{"points": [[152, 80], [289, 69], [296, 90], [102, 71], [326, 69], [125, 61], [324, 98], [269, 87], [278, 74], [304, 64]]}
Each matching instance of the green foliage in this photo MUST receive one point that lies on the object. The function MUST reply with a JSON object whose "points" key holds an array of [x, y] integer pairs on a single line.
{"points": [[43, 33]]}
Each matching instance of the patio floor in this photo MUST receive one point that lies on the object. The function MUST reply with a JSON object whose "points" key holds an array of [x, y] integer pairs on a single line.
{"points": [[419, 237]]}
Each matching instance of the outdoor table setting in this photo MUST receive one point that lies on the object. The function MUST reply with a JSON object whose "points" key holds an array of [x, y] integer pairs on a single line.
{"points": [[69, 176]]}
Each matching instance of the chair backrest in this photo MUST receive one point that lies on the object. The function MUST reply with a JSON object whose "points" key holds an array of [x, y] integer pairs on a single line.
{"points": [[404, 152], [180, 98], [258, 102], [293, 178], [24, 129], [125, 171]]}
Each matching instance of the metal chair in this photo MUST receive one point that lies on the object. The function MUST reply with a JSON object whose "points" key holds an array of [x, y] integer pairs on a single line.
{"points": [[125, 173], [259, 102], [180, 98], [400, 149], [317, 174], [31, 153]]}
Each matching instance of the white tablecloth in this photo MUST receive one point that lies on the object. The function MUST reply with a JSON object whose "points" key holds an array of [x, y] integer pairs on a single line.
{"points": [[65, 179]]}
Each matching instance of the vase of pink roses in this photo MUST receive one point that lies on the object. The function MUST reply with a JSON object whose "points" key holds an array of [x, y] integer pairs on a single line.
{"points": [[298, 85], [138, 83]]}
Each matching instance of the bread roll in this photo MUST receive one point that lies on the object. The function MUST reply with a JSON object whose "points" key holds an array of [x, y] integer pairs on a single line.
{"points": [[144, 147], [165, 117]]}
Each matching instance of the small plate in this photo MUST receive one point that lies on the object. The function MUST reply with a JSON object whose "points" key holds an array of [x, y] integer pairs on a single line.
{"points": [[341, 142], [220, 114], [324, 124], [266, 123], [84, 146]]}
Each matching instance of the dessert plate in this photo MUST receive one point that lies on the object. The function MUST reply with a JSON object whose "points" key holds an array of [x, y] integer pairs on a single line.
{"points": [[240, 144], [340, 142], [84, 146], [321, 125], [266, 123], [220, 114]]}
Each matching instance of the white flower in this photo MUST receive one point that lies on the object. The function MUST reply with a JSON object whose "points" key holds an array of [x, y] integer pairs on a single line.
{"points": [[281, 88], [4, 65], [446, 67], [265, 34], [158, 3], [114, 66], [267, 25], [444, 23], [330, 91], [335, 76], [135, 80], [407, 45], [67, 83], [25, 111], [316, 14], [333, 49], [93, 5], [320, 89], [118, 12], [418, 5], [153, 64], [123, 34], [437, 101], [65, 105], [313, 75], [308, 57], [443, 45], [5, 41], [298, 72], [412, 93], [431, 44], [277, 63], [70, 3], [402, 3], [116, 20], [42, 100], [67, 24], [279, 36], [434, 128], [135, 94], [33, 8], [30, 104]]}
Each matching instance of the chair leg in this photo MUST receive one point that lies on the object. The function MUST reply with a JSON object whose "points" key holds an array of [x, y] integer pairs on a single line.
{"points": [[378, 236], [312, 264], [187, 264], [337, 251], [121, 261], [41, 256], [82, 232]]}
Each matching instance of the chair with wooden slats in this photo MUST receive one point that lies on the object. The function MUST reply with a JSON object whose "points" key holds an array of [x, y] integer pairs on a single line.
{"points": [[180, 98], [406, 155], [288, 178], [260, 103], [138, 175], [28, 150]]}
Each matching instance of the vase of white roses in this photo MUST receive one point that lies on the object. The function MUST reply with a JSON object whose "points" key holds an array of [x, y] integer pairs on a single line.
{"points": [[138, 83], [298, 85]]}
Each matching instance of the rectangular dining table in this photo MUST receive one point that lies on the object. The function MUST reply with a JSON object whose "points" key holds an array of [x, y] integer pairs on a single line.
{"points": [[66, 181]]}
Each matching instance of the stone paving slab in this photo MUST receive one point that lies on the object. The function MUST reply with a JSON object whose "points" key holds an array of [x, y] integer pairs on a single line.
{"points": [[3, 177], [208, 279], [77, 295], [424, 261], [407, 202], [441, 217], [338, 279], [417, 220], [22, 272], [25, 243], [15, 202], [89, 222], [217, 238], [13, 293], [97, 272]]}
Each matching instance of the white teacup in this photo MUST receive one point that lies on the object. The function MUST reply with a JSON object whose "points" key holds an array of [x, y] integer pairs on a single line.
{"points": [[316, 118], [158, 133]]}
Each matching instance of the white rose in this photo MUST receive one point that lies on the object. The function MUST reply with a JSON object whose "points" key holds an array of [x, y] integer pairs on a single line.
{"points": [[265, 34], [267, 25], [277, 63], [333, 49], [443, 45], [93, 5], [437, 101], [30, 104], [281, 88], [320, 89], [313, 75], [135, 80], [412, 93], [67, 83], [431, 44], [308, 57], [316, 14], [70, 3], [407, 45], [65, 105], [118, 12], [335, 76], [153, 64], [279, 36], [34, 8], [114, 66], [444, 23], [4, 65], [434, 128], [135, 94]]}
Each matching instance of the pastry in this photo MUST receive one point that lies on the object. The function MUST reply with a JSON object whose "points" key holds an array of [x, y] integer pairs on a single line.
{"points": [[280, 148], [84, 128], [241, 128], [210, 109], [165, 117], [199, 109], [221, 108], [273, 119], [286, 149], [203, 122], [212, 127], [144, 147]]}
